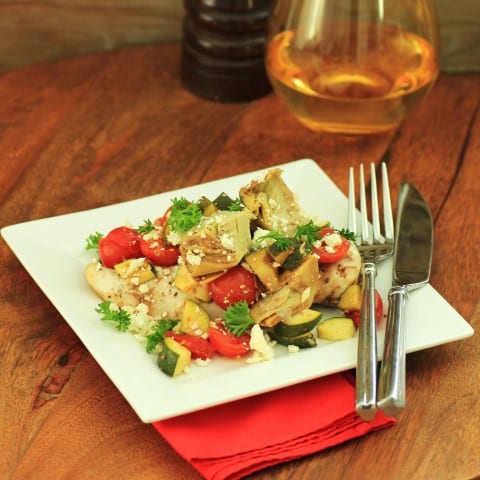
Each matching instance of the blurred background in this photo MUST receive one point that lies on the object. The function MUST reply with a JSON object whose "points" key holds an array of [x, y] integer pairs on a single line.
{"points": [[37, 31]]}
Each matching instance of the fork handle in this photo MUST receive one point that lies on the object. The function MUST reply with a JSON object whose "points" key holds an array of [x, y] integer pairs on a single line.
{"points": [[391, 388], [366, 375]]}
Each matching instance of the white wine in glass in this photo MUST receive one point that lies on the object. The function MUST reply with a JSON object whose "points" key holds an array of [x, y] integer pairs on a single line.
{"points": [[352, 66]]}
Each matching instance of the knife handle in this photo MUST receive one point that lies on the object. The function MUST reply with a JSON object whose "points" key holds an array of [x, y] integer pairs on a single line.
{"points": [[391, 389], [366, 375]]}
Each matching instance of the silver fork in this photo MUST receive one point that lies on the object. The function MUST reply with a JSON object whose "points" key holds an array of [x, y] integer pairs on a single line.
{"points": [[373, 247]]}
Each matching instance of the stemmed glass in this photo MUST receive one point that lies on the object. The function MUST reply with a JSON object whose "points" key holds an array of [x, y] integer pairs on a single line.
{"points": [[352, 66]]}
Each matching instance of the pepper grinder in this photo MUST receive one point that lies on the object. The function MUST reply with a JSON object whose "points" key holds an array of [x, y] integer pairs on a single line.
{"points": [[223, 46]]}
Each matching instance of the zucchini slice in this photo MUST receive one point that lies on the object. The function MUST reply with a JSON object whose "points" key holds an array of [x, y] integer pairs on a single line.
{"points": [[195, 320], [336, 328], [173, 358], [298, 324], [307, 340], [351, 299], [207, 206], [223, 201]]}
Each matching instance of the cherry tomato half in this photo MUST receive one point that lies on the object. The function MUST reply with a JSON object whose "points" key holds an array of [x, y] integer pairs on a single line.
{"points": [[226, 343], [118, 245], [199, 347], [235, 285], [155, 250], [331, 254], [355, 314]]}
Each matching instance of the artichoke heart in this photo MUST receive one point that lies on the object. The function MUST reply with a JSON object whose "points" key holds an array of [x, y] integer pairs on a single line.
{"points": [[217, 243], [273, 203], [296, 294]]}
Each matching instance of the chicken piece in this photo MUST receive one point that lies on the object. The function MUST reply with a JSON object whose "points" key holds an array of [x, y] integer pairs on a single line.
{"points": [[217, 243], [336, 277], [273, 203], [160, 295]]}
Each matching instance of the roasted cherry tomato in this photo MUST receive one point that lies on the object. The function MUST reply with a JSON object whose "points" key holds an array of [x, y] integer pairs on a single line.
{"points": [[155, 250], [331, 253], [355, 314], [233, 286], [118, 245], [199, 347], [226, 343]]}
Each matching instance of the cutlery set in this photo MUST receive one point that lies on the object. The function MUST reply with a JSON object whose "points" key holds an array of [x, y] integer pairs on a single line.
{"points": [[410, 243]]}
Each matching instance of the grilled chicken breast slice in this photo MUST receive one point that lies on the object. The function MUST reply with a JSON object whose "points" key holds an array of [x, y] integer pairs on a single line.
{"points": [[336, 277]]}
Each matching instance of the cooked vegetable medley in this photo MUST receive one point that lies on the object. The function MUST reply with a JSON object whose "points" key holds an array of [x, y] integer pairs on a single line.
{"points": [[227, 276]]}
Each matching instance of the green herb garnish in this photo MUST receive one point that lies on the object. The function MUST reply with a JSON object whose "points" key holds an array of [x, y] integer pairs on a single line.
{"points": [[161, 328], [92, 241], [349, 235], [307, 234], [236, 205], [281, 241], [146, 227], [184, 215], [120, 317], [238, 319]]}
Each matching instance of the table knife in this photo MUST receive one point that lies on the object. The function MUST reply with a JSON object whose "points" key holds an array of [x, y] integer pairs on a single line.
{"points": [[412, 260]]}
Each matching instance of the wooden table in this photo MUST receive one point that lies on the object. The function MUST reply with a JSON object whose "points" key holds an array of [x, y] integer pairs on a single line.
{"points": [[96, 130]]}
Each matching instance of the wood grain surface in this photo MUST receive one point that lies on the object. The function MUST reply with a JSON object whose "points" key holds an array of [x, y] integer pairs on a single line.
{"points": [[99, 129], [36, 31]]}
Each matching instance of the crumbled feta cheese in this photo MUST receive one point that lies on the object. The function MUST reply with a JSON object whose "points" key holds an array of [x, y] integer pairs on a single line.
{"points": [[260, 344], [293, 348], [142, 308], [265, 242], [193, 258], [174, 237], [153, 235], [141, 323], [227, 242], [329, 242], [134, 264], [333, 239], [203, 362]]}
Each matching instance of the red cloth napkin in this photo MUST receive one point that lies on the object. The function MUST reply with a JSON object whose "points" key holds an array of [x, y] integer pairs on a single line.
{"points": [[234, 439]]}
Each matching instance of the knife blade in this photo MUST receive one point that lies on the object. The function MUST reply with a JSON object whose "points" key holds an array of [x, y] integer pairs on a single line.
{"points": [[411, 270]]}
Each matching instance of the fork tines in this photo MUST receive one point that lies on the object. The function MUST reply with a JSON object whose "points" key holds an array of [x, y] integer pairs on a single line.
{"points": [[371, 237]]}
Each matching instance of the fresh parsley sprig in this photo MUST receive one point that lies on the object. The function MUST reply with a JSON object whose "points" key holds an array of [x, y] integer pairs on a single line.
{"points": [[349, 235], [307, 234], [237, 318], [158, 333], [146, 227], [120, 317], [92, 241], [184, 215], [281, 241]]}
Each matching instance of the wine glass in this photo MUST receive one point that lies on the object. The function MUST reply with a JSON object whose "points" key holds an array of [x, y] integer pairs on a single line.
{"points": [[352, 66]]}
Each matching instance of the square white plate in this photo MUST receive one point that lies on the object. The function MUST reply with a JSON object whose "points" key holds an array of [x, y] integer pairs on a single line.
{"points": [[52, 251]]}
